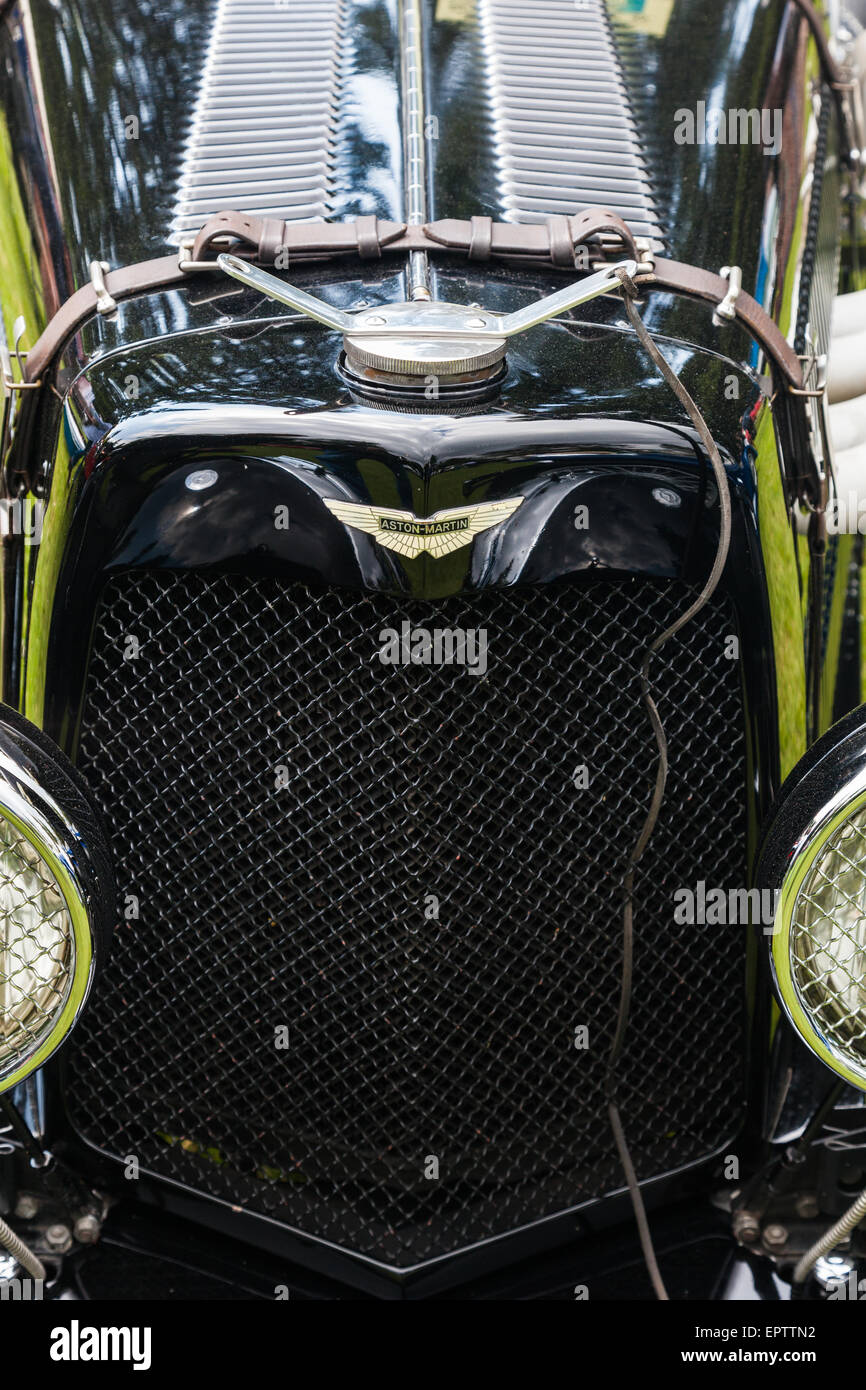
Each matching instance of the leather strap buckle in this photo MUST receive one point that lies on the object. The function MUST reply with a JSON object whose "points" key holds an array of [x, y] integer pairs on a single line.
{"points": [[185, 262]]}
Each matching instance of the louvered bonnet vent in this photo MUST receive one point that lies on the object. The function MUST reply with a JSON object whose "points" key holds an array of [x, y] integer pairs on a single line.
{"points": [[565, 136], [265, 132], [265, 122]]}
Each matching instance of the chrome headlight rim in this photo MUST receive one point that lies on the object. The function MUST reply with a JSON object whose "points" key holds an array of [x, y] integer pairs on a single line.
{"points": [[811, 845], [81, 941], [824, 790], [47, 802]]}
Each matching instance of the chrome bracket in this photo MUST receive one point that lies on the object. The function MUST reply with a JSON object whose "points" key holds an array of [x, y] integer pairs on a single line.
{"points": [[725, 309], [10, 381], [12, 385], [812, 365], [814, 392], [104, 302]]}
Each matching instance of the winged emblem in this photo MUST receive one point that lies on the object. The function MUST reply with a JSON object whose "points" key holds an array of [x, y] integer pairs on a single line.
{"points": [[409, 535]]}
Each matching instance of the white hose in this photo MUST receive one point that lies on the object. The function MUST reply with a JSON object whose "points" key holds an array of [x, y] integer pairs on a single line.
{"points": [[22, 1253], [843, 1227]]}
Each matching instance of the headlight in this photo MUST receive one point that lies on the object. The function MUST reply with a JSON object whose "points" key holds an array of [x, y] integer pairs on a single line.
{"points": [[56, 897], [814, 855]]}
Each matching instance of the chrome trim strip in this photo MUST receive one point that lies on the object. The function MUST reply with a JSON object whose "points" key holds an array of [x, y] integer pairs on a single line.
{"points": [[414, 147]]}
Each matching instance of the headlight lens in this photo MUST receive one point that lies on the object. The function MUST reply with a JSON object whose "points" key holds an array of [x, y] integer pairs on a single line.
{"points": [[828, 940], [37, 947], [813, 856]]}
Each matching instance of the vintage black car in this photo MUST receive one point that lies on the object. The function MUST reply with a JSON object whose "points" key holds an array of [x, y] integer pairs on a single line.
{"points": [[432, 757]]}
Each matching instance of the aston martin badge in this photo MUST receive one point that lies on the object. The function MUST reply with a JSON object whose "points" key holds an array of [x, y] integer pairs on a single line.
{"points": [[409, 535]]}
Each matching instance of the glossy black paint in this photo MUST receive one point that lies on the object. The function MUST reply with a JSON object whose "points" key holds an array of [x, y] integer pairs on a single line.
{"points": [[221, 381]]}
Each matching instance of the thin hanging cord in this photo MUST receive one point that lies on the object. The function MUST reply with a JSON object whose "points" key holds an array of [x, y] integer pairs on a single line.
{"points": [[631, 291]]}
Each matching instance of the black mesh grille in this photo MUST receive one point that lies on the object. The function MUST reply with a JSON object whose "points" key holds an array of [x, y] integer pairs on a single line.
{"points": [[309, 905]]}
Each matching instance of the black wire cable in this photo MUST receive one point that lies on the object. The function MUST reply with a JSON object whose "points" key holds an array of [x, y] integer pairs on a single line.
{"points": [[631, 292]]}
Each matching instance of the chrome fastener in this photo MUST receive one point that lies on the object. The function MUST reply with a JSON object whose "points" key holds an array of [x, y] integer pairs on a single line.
{"points": [[726, 309], [105, 304]]}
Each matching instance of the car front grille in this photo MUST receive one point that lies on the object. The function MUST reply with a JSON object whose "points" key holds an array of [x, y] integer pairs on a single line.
{"points": [[397, 866]]}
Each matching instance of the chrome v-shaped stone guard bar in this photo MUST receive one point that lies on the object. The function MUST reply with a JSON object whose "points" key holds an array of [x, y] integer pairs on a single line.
{"points": [[423, 337], [420, 318]]}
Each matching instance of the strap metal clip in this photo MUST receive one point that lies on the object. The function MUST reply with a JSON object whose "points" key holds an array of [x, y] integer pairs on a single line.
{"points": [[104, 302], [726, 308], [646, 263]]}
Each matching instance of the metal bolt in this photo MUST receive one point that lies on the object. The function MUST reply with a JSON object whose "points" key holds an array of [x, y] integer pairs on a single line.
{"points": [[475, 323], [806, 1206], [58, 1237], [26, 1207], [374, 320], [746, 1228], [775, 1235], [86, 1229]]}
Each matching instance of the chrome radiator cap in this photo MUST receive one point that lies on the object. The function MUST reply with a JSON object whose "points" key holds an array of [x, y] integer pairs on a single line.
{"points": [[439, 339]]}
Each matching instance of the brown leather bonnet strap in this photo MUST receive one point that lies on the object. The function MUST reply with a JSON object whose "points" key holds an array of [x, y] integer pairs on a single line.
{"points": [[272, 242], [680, 278], [556, 240]]}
